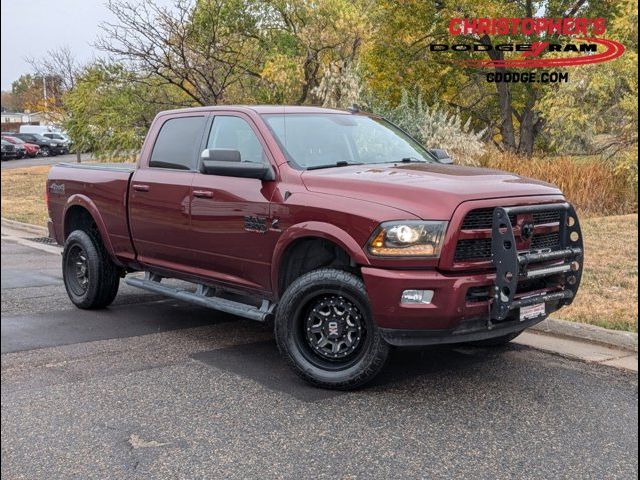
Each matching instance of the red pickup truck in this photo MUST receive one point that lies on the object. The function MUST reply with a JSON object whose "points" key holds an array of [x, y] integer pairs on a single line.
{"points": [[336, 226]]}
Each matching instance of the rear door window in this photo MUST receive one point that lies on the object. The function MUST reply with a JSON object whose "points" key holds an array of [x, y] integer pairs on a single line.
{"points": [[178, 143]]}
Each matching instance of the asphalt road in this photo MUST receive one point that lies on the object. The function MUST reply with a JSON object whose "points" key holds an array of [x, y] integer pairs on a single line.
{"points": [[151, 388], [33, 162]]}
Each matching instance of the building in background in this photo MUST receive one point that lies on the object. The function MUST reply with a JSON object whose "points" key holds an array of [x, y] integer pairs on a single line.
{"points": [[11, 121]]}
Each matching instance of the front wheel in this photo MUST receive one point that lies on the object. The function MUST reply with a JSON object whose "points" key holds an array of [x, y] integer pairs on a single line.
{"points": [[90, 276], [325, 330]]}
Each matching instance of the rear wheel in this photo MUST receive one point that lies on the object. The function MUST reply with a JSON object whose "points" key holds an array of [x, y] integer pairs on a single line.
{"points": [[325, 330], [90, 276], [45, 151]]}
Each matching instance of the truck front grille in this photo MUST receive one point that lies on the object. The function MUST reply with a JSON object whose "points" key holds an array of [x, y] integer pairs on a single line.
{"points": [[479, 249], [544, 241], [476, 249], [482, 218], [541, 218]]}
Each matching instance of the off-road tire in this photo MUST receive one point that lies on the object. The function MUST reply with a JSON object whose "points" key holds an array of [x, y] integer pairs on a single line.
{"points": [[103, 275], [289, 328]]}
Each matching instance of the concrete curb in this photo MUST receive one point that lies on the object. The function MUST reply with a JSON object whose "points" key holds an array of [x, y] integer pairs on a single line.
{"points": [[25, 227], [590, 333], [550, 326], [578, 349]]}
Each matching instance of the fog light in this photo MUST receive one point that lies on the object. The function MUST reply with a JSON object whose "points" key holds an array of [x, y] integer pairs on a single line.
{"points": [[416, 296]]}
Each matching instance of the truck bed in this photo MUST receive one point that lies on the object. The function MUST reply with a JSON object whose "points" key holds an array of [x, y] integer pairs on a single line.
{"points": [[129, 167], [98, 187]]}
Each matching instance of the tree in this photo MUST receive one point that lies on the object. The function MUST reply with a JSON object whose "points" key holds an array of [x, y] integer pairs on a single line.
{"points": [[38, 93], [58, 63], [10, 102], [317, 41], [198, 49], [399, 59], [597, 112], [109, 112], [218, 51]]}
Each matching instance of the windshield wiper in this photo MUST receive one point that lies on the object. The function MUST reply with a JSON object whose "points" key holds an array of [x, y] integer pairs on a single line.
{"points": [[331, 165], [413, 160]]}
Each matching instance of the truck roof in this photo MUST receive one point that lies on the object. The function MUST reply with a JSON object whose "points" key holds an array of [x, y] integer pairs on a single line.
{"points": [[261, 109]]}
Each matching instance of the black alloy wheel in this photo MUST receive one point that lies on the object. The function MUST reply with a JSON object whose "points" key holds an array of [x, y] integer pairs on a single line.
{"points": [[334, 328], [90, 276], [77, 270], [325, 330]]}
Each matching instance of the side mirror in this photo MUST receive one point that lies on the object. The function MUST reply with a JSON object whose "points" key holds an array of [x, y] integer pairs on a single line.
{"points": [[221, 155], [441, 155], [227, 163]]}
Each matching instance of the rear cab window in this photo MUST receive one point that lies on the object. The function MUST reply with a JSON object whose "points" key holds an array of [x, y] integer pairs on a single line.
{"points": [[178, 142]]}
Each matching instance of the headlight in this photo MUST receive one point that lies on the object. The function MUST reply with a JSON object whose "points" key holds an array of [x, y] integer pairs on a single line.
{"points": [[408, 238]]}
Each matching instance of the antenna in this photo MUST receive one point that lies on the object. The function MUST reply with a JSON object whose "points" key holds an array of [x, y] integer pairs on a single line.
{"points": [[354, 108]]}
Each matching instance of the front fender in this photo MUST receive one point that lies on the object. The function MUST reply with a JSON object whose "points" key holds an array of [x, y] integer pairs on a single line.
{"points": [[315, 229]]}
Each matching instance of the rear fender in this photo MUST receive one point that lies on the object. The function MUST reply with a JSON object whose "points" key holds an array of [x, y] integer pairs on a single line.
{"points": [[85, 202]]}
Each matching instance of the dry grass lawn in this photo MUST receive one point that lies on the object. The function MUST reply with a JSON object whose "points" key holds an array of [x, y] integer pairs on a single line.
{"points": [[608, 296], [23, 194]]}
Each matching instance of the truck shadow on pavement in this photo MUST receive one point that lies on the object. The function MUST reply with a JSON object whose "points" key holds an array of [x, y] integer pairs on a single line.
{"points": [[66, 327], [261, 362]]}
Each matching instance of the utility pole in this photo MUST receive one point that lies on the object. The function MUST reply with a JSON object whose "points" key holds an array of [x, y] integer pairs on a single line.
{"points": [[44, 89]]}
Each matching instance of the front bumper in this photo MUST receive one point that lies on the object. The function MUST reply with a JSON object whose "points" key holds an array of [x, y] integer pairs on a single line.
{"points": [[451, 317], [455, 313], [471, 331]]}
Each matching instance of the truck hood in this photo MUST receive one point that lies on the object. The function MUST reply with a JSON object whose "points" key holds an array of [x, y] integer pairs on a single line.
{"points": [[429, 191]]}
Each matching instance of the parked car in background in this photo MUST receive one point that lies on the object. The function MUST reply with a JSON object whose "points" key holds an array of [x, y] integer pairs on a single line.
{"points": [[8, 150], [60, 137], [41, 129], [19, 146], [48, 147], [21, 152], [31, 149]]}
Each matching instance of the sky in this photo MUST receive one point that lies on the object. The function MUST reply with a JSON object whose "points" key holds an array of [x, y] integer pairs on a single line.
{"points": [[30, 28]]}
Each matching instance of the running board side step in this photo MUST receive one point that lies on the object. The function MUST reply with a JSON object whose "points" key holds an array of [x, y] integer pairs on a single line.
{"points": [[205, 297]]}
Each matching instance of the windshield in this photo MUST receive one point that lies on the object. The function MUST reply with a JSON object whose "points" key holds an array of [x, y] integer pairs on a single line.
{"points": [[333, 139]]}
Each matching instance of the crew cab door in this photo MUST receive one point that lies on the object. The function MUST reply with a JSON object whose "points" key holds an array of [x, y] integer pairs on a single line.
{"points": [[232, 233], [160, 192]]}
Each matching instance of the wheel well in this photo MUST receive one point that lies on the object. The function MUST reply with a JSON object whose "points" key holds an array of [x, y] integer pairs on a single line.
{"points": [[79, 218], [309, 254]]}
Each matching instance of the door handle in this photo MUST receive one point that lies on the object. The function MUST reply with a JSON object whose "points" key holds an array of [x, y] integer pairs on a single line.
{"points": [[140, 188], [203, 194]]}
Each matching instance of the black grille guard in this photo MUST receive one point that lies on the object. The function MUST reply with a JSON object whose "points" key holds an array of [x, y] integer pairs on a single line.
{"points": [[511, 265]]}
